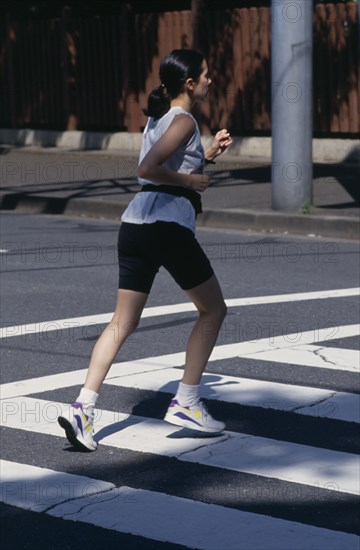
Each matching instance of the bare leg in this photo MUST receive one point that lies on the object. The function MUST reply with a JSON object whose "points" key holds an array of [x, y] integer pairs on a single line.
{"points": [[129, 307], [209, 301]]}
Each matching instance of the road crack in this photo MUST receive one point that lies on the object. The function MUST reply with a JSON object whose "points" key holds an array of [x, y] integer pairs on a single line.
{"points": [[205, 443], [318, 402], [79, 498], [146, 371], [318, 353]]}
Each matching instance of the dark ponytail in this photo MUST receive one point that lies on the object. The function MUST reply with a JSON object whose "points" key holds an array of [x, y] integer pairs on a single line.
{"points": [[175, 68], [158, 103]]}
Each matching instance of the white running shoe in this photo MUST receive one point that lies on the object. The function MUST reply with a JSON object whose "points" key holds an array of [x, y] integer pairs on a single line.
{"points": [[80, 430], [195, 417]]}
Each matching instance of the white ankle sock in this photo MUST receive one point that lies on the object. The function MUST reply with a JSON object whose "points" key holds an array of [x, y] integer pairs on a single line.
{"points": [[187, 394], [88, 399]]}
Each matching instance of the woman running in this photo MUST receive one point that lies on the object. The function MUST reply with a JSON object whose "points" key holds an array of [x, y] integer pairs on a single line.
{"points": [[158, 229]]}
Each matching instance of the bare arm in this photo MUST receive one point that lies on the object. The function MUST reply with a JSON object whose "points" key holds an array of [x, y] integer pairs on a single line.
{"points": [[180, 130], [222, 141]]}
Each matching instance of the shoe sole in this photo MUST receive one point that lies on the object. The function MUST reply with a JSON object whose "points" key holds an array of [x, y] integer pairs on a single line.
{"points": [[71, 436], [188, 424]]}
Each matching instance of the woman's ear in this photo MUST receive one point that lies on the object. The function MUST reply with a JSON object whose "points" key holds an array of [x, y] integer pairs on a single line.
{"points": [[189, 84]]}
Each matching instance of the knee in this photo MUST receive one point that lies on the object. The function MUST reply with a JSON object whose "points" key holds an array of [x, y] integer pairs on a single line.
{"points": [[218, 312], [123, 329]]}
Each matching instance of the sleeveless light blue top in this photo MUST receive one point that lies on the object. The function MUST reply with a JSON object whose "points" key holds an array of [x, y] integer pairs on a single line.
{"points": [[148, 207]]}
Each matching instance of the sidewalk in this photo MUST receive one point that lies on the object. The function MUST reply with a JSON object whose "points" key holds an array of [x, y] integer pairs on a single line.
{"points": [[100, 184]]}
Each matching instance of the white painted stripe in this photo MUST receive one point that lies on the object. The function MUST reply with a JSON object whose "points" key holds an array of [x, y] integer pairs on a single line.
{"points": [[294, 297], [73, 378], [243, 349], [158, 516], [314, 356], [234, 451], [304, 400], [75, 322], [282, 460], [136, 432], [39, 489], [244, 391], [194, 524], [342, 406], [227, 351], [254, 393]]}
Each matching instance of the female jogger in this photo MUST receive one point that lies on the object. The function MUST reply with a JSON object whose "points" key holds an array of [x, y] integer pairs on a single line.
{"points": [[158, 229]]}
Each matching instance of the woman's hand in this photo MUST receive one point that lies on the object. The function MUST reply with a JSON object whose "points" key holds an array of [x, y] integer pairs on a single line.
{"points": [[198, 182], [221, 142]]}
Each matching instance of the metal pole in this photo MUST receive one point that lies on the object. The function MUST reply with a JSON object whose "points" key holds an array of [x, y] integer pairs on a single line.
{"points": [[358, 36], [291, 61]]}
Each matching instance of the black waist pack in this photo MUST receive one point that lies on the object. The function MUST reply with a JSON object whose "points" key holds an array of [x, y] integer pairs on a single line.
{"points": [[189, 194]]}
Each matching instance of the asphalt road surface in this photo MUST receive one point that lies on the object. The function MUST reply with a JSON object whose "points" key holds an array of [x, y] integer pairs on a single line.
{"points": [[283, 376]]}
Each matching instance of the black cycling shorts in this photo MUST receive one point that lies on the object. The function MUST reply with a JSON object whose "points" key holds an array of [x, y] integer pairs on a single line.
{"points": [[143, 248]]}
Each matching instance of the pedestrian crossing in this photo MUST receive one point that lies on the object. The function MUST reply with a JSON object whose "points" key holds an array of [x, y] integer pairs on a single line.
{"points": [[75, 322], [259, 485], [160, 516], [232, 450], [231, 389]]}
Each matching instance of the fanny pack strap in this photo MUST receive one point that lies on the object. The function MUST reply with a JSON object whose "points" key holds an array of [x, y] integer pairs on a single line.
{"points": [[189, 194]]}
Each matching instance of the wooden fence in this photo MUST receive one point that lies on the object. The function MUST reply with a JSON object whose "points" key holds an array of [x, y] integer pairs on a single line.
{"points": [[94, 71]]}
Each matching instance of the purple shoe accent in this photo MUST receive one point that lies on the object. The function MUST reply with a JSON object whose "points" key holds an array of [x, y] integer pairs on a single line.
{"points": [[78, 405], [173, 403], [78, 421], [185, 417]]}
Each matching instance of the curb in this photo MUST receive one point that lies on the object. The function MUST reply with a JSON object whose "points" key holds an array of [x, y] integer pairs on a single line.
{"points": [[278, 222], [42, 204], [236, 219], [324, 150]]}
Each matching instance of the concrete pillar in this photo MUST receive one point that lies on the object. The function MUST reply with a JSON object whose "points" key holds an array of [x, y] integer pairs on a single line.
{"points": [[291, 62]]}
